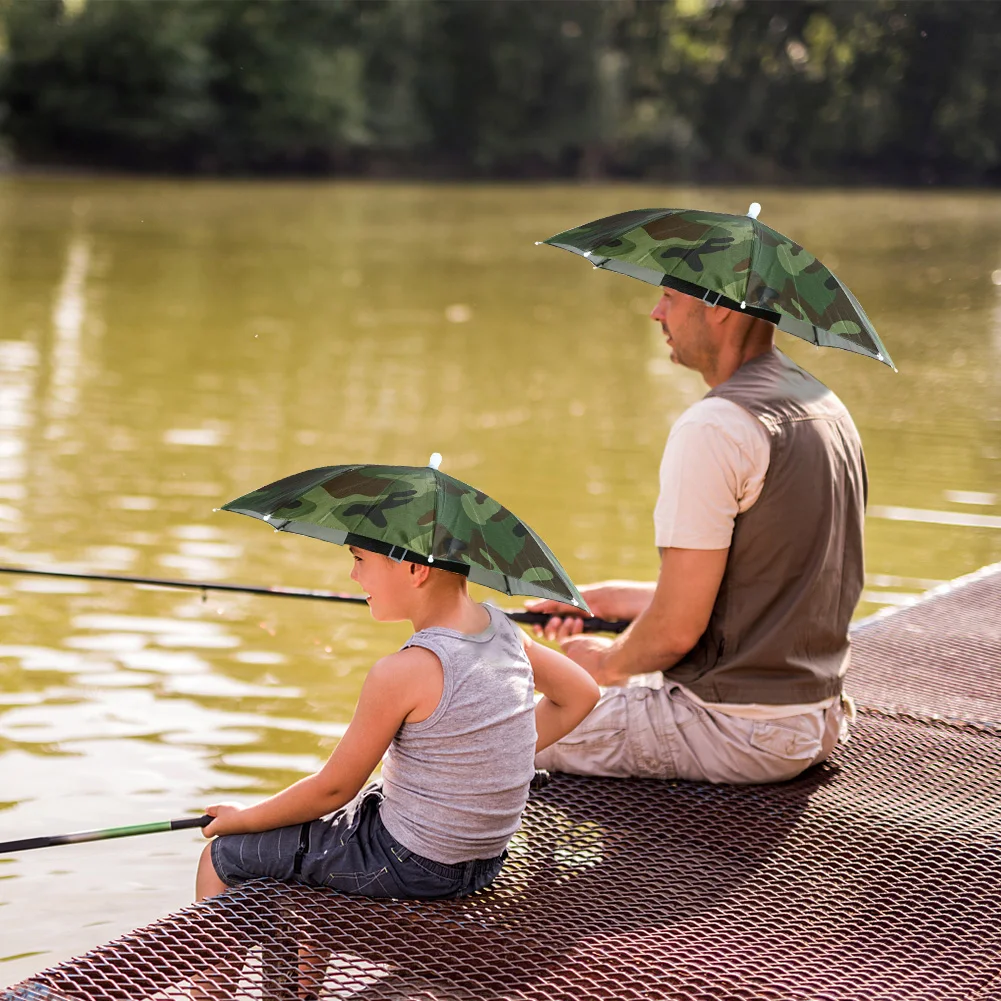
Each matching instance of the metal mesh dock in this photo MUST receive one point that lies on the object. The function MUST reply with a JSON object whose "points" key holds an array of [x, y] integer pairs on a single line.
{"points": [[876, 875]]}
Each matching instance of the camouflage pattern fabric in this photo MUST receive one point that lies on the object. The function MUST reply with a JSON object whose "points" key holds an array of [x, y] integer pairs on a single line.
{"points": [[732, 261], [415, 513]]}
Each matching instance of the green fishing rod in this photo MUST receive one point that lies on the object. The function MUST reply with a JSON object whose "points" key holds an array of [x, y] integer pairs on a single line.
{"points": [[592, 625], [159, 827], [539, 781]]}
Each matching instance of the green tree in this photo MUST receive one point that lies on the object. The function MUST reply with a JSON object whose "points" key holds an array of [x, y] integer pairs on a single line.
{"points": [[724, 89]]}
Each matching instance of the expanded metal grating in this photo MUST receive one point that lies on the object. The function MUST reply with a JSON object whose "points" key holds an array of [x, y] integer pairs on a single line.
{"points": [[876, 875], [940, 657]]}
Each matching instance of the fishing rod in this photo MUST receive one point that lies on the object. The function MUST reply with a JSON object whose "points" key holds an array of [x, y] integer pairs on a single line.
{"points": [[592, 625], [106, 834], [540, 780]]}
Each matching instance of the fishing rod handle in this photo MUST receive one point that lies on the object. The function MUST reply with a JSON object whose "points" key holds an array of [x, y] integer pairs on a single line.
{"points": [[592, 625], [182, 825]]}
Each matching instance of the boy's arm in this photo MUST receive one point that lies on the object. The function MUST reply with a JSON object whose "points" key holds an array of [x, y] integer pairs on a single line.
{"points": [[391, 691], [569, 693]]}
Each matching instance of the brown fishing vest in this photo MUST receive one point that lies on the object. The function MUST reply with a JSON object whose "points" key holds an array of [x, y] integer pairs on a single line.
{"points": [[778, 632]]}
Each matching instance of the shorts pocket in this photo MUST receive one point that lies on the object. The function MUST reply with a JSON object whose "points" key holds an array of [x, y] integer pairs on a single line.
{"points": [[366, 884], [684, 713], [785, 740], [606, 724], [599, 737]]}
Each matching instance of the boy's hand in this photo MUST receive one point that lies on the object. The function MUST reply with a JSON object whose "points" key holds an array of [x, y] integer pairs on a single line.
{"points": [[226, 822]]}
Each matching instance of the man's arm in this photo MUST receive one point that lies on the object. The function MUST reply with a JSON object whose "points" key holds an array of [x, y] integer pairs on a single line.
{"points": [[391, 690], [667, 629]]}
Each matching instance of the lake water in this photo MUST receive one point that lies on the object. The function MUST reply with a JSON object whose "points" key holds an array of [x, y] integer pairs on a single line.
{"points": [[165, 347]]}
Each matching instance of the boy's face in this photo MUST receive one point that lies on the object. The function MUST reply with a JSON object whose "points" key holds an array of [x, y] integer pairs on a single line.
{"points": [[386, 584]]}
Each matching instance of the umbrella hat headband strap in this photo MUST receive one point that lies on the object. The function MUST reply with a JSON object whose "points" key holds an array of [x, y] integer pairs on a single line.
{"points": [[400, 554], [711, 298]]}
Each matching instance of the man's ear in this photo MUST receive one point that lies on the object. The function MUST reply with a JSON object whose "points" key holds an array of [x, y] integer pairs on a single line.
{"points": [[418, 573], [721, 316], [730, 319]]}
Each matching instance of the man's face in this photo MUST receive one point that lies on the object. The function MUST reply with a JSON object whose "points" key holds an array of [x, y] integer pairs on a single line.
{"points": [[683, 320]]}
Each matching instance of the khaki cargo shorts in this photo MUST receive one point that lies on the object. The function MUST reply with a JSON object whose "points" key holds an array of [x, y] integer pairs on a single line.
{"points": [[649, 729]]}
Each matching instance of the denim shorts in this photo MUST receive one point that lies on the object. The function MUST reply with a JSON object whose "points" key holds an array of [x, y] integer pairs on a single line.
{"points": [[350, 851]]}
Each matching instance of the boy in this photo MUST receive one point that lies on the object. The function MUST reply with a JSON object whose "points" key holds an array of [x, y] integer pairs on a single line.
{"points": [[455, 710]]}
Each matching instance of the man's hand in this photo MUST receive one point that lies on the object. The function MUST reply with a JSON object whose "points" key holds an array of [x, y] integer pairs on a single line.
{"points": [[589, 652], [226, 821], [615, 600]]}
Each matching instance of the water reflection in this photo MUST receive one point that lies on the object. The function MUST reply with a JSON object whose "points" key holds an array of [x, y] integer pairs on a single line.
{"points": [[66, 356], [168, 346], [18, 375]]}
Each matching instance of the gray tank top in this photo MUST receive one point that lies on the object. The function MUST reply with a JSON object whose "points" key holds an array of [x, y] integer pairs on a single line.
{"points": [[456, 783]]}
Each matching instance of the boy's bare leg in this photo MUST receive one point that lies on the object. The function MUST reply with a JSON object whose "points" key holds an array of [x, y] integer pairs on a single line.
{"points": [[227, 962], [207, 881], [314, 955]]}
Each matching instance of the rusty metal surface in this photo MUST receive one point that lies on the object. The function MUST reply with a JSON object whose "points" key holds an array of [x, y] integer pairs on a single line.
{"points": [[874, 876], [939, 657]]}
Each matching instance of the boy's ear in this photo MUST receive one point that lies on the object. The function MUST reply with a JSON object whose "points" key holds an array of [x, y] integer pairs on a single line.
{"points": [[418, 573]]}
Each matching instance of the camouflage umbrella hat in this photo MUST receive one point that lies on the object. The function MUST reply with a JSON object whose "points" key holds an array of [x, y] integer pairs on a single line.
{"points": [[418, 514], [733, 261]]}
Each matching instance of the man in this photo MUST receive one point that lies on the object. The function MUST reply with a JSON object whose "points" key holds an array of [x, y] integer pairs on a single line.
{"points": [[732, 668]]}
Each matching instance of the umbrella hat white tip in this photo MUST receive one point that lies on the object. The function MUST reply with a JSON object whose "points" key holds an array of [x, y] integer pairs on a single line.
{"points": [[435, 461], [753, 210]]}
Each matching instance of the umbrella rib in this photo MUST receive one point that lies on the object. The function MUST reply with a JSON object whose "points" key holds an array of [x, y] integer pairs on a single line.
{"points": [[750, 269], [434, 524]]}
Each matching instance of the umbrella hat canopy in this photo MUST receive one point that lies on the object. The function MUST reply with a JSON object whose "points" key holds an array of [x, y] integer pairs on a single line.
{"points": [[733, 261], [414, 513]]}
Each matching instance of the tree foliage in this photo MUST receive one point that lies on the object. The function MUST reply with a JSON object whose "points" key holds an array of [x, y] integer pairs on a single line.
{"points": [[798, 89]]}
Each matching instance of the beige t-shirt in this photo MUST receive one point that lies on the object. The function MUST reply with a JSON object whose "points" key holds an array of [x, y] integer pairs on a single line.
{"points": [[713, 469]]}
